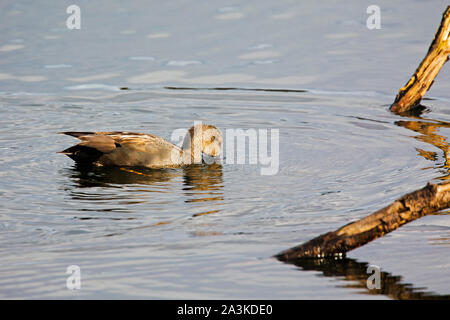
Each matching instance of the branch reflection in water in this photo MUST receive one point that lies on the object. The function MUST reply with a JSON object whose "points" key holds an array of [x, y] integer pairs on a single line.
{"points": [[356, 274], [428, 132]]}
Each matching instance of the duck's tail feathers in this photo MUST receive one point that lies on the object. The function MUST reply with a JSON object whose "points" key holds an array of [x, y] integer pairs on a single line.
{"points": [[76, 134], [82, 154], [91, 147]]}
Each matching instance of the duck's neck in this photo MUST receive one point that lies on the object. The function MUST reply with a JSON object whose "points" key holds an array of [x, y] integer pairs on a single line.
{"points": [[192, 146]]}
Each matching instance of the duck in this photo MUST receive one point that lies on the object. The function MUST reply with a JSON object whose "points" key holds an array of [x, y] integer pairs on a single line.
{"points": [[131, 149]]}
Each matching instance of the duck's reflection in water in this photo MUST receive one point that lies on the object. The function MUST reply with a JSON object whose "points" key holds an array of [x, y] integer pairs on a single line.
{"points": [[94, 176], [200, 184], [203, 184], [356, 274]]}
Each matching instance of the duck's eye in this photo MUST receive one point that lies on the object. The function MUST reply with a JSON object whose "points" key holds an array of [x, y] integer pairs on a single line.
{"points": [[213, 138]]}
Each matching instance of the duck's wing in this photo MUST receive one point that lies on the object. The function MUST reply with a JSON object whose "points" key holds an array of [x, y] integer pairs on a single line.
{"points": [[100, 142], [95, 144], [137, 141]]}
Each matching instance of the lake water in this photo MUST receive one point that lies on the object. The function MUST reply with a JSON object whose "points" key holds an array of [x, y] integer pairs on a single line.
{"points": [[208, 232]]}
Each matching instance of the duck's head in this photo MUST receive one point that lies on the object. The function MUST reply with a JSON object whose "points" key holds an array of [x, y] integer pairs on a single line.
{"points": [[202, 139]]}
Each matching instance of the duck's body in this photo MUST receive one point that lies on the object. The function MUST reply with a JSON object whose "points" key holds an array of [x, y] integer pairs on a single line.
{"points": [[144, 150]]}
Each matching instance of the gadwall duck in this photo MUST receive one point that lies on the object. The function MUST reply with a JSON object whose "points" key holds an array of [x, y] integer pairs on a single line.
{"points": [[145, 150]]}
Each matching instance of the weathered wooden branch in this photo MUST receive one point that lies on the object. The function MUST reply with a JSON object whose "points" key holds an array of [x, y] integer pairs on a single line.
{"points": [[411, 94], [430, 199]]}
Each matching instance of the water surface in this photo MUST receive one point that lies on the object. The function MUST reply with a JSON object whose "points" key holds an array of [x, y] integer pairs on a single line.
{"points": [[209, 232]]}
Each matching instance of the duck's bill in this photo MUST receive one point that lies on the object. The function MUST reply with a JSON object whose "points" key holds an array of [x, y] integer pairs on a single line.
{"points": [[208, 159]]}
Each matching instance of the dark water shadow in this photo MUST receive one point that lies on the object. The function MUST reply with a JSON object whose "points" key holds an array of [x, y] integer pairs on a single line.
{"points": [[355, 273], [233, 89]]}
